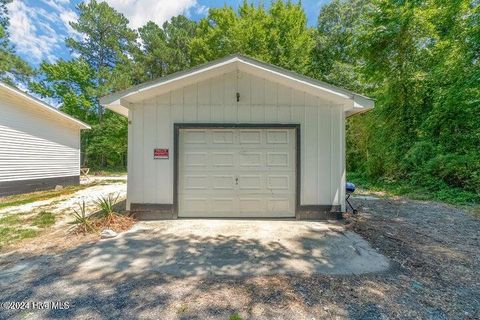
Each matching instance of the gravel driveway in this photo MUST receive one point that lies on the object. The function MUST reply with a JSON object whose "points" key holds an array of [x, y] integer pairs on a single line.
{"points": [[433, 251]]}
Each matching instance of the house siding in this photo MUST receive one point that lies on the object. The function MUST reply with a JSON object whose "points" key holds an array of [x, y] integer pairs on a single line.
{"points": [[35, 145]]}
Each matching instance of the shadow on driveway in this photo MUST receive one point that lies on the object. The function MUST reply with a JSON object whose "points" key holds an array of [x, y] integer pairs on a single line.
{"points": [[113, 277]]}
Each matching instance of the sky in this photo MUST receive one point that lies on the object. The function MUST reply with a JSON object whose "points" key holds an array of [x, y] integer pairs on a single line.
{"points": [[38, 28]]}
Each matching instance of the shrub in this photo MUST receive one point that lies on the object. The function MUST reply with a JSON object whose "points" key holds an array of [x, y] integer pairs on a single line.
{"points": [[81, 222], [106, 204]]}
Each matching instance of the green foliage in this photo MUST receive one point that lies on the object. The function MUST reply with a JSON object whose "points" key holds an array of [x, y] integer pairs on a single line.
{"points": [[278, 35], [165, 50], [106, 204], [425, 128], [102, 66], [19, 199], [410, 189], [81, 222], [108, 36], [10, 235], [235, 316], [334, 57], [44, 219], [20, 226], [418, 59]]}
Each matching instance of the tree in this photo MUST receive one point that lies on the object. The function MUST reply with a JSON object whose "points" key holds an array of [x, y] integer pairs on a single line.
{"points": [[12, 67], [104, 44], [419, 59], [447, 151], [335, 57], [101, 65], [164, 50], [279, 35]]}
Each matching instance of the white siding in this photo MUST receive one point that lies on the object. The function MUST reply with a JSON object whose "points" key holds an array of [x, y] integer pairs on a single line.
{"points": [[34, 145], [214, 101]]}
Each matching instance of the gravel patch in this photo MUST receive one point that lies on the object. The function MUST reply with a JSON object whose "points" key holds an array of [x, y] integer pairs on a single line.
{"points": [[434, 250]]}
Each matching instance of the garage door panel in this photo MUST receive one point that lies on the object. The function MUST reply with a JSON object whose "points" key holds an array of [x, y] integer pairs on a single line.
{"points": [[250, 137], [224, 182], [237, 173], [195, 205], [278, 137], [250, 182], [195, 137], [250, 159], [223, 205], [251, 205], [280, 205], [278, 159], [278, 182], [223, 159], [196, 159], [193, 182], [222, 137]]}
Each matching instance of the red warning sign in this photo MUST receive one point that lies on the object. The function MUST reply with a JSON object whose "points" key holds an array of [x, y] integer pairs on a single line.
{"points": [[160, 153]]}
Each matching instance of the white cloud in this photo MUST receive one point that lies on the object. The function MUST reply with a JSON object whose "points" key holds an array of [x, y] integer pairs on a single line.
{"points": [[158, 11], [201, 10], [31, 35], [68, 16], [38, 32], [63, 12]]}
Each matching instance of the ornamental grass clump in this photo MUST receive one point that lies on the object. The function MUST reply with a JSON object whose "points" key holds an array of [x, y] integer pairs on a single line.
{"points": [[81, 222], [106, 205]]}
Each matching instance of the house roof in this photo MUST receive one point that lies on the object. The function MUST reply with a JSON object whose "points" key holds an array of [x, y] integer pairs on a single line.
{"points": [[119, 101], [32, 101]]}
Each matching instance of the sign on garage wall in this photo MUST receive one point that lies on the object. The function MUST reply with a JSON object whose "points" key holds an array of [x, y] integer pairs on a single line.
{"points": [[160, 153]]}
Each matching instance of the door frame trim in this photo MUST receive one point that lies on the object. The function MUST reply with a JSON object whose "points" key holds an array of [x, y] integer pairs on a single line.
{"points": [[176, 135]]}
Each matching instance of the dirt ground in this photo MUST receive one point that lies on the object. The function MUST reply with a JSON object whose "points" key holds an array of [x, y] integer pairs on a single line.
{"points": [[54, 238], [434, 250]]}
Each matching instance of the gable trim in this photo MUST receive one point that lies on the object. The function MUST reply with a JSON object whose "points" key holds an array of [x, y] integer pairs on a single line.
{"points": [[118, 101]]}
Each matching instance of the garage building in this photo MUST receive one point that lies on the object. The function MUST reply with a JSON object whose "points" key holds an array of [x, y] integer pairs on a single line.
{"points": [[39, 145], [236, 137]]}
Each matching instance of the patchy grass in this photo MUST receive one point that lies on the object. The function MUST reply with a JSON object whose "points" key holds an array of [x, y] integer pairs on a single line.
{"points": [[235, 316], [17, 227], [11, 220], [453, 196], [44, 219], [9, 235], [17, 200]]}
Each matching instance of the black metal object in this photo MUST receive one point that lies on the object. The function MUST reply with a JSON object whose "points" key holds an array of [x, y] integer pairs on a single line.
{"points": [[350, 189]]}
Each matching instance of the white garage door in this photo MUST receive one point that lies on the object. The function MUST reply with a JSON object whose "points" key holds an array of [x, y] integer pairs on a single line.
{"points": [[236, 173]]}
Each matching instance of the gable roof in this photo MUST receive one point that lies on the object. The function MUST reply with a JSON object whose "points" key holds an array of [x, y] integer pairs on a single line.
{"points": [[32, 101], [119, 101]]}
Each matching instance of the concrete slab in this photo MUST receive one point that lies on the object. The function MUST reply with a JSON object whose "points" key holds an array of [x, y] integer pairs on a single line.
{"points": [[234, 247]]}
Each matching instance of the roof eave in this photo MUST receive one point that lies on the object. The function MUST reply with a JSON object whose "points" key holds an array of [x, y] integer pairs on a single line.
{"points": [[81, 125], [117, 101]]}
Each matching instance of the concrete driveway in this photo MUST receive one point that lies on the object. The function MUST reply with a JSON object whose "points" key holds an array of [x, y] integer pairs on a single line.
{"points": [[157, 266], [235, 247], [202, 247]]}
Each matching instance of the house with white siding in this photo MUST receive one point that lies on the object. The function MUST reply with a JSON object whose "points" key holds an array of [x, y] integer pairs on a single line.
{"points": [[236, 137], [39, 145]]}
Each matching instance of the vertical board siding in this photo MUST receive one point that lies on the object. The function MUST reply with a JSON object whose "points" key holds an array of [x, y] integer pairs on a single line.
{"points": [[34, 145], [261, 101], [149, 143]]}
